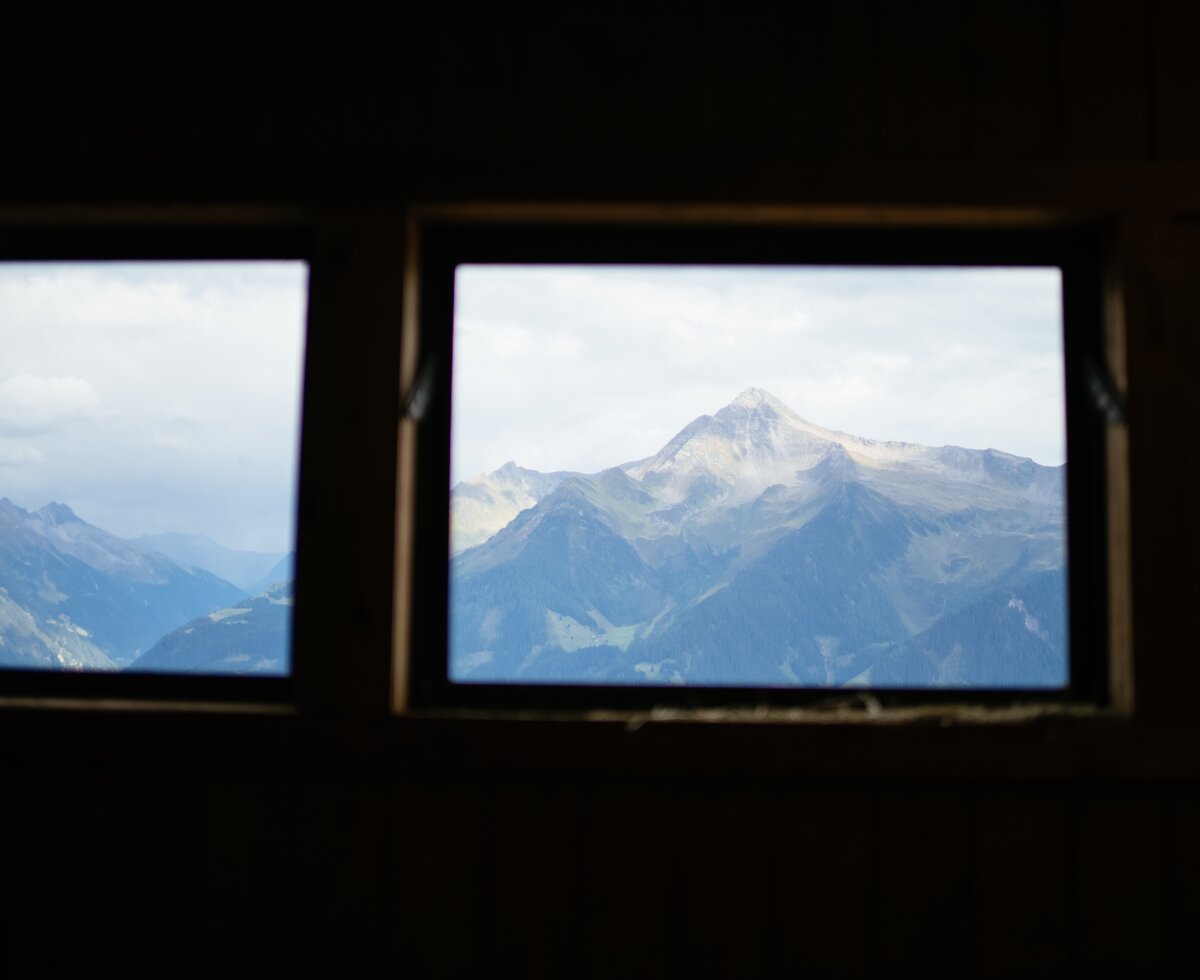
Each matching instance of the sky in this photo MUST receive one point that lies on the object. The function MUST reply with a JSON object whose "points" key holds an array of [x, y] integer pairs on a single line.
{"points": [[155, 396], [586, 367]]}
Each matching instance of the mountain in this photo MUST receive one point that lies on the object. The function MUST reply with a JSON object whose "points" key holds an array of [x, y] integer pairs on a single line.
{"points": [[996, 641], [757, 548], [481, 506], [76, 597], [251, 637], [244, 569], [283, 570], [49, 644]]}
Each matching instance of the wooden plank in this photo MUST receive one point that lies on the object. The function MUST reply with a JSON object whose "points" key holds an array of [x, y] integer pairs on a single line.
{"points": [[1154, 306], [1022, 882], [55, 919], [1184, 867], [1175, 78], [626, 882], [464, 91], [725, 903], [533, 889], [339, 866], [640, 100], [1103, 80], [1182, 446], [825, 869], [1012, 82], [150, 866], [245, 877], [569, 71], [1121, 881], [741, 110], [921, 92], [827, 78], [436, 913], [924, 916]]}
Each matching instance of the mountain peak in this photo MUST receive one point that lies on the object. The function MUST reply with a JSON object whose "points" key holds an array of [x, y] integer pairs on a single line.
{"points": [[510, 470], [56, 513], [756, 397]]}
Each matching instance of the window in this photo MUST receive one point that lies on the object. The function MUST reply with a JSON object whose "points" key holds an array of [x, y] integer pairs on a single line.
{"points": [[700, 566], [149, 431], [344, 622]]}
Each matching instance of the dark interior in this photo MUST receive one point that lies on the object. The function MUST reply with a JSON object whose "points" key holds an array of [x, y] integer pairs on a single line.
{"points": [[335, 836]]}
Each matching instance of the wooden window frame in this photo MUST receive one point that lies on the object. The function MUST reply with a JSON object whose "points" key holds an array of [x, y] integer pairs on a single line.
{"points": [[363, 491], [440, 236], [88, 236]]}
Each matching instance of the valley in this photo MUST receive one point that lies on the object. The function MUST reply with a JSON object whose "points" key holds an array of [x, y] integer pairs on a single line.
{"points": [[74, 597]]}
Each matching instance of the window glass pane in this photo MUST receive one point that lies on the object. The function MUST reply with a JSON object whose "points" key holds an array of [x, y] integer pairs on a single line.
{"points": [[810, 477], [149, 427]]}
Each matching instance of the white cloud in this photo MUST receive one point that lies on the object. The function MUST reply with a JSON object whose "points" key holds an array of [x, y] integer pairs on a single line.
{"points": [[582, 368], [31, 405], [187, 419], [18, 455]]}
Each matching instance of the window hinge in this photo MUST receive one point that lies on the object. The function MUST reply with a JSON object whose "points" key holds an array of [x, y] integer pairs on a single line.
{"points": [[1106, 399], [415, 402]]}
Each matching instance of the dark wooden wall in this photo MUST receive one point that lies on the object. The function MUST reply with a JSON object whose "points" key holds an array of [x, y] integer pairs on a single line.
{"points": [[344, 842], [251, 846]]}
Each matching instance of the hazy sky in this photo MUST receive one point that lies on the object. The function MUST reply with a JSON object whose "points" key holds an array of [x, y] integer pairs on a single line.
{"points": [[155, 396], [581, 368]]}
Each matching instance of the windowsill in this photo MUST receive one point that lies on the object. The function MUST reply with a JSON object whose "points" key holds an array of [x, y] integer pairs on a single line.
{"points": [[144, 706], [852, 711], [849, 711], [949, 743]]}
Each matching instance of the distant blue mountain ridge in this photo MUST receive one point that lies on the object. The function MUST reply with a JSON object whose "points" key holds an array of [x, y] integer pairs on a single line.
{"points": [[250, 637], [74, 597], [245, 569]]}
